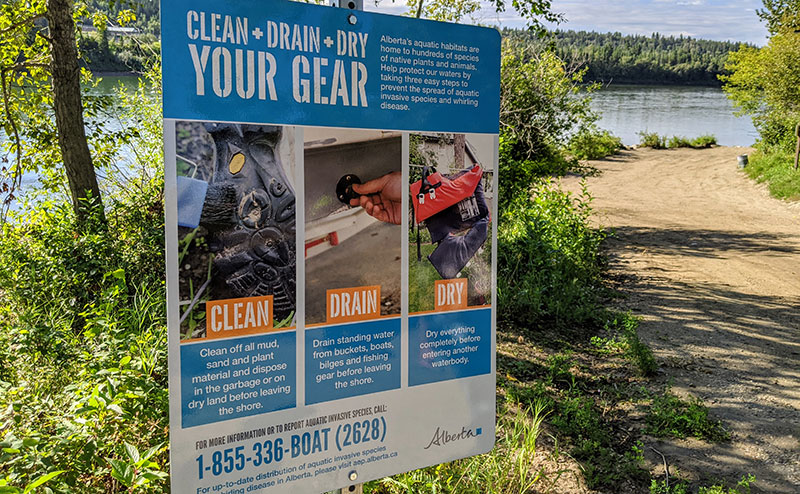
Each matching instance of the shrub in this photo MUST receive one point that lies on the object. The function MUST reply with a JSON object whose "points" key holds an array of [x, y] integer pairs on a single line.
{"points": [[741, 487], [652, 140], [542, 100], [655, 141], [520, 172], [94, 372], [701, 142], [548, 259], [83, 361], [679, 142], [704, 141], [593, 144]]}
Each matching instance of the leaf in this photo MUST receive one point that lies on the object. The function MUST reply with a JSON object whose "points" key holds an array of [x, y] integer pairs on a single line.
{"points": [[150, 452], [122, 472], [41, 480], [132, 452]]}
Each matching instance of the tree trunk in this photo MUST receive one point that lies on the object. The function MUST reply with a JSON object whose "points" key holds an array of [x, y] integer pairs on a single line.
{"points": [[69, 109]]}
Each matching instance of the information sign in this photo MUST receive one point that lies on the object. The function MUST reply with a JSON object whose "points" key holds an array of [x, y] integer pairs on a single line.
{"points": [[331, 181]]}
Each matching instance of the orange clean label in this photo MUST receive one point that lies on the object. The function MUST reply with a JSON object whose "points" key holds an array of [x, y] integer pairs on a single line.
{"points": [[451, 294], [238, 316], [354, 304]]}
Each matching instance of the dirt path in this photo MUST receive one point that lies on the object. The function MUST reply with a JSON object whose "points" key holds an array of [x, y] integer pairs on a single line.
{"points": [[712, 264]]}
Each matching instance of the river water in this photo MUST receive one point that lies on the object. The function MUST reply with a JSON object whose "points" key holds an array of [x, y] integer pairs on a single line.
{"points": [[671, 110], [624, 110]]}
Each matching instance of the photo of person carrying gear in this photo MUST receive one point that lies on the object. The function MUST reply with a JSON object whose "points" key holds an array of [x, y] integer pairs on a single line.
{"points": [[236, 219], [450, 216], [353, 192]]}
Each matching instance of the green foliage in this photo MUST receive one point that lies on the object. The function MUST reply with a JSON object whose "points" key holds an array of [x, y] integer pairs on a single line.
{"points": [[27, 101], [85, 308], [137, 469], [671, 416], [780, 14], [507, 469], [133, 53], [775, 167], [655, 141], [638, 59], [703, 141], [519, 173], [681, 487], [38, 482], [541, 101], [622, 327], [678, 142], [592, 144], [742, 487], [578, 418], [94, 338], [652, 140], [548, 258], [765, 83], [533, 11], [662, 487]]}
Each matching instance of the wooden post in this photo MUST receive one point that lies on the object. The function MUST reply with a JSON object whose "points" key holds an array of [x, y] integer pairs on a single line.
{"points": [[797, 150]]}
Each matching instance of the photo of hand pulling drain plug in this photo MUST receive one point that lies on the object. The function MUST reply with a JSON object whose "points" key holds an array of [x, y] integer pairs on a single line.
{"points": [[352, 221]]}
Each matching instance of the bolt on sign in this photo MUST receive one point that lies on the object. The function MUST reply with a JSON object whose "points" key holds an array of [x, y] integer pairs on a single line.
{"points": [[331, 181]]}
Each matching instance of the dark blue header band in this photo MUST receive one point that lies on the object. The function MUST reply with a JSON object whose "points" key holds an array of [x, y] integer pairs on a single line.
{"points": [[298, 64]]}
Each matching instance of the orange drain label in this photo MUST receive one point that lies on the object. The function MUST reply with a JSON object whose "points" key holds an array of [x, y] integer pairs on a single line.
{"points": [[451, 294], [354, 304], [238, 316]]}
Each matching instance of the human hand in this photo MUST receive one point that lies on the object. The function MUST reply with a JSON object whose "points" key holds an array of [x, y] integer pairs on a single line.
{"points": [[381, 198]]}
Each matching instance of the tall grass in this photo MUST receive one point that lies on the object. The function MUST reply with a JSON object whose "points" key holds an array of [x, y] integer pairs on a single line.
{"points": [[508, 469]]}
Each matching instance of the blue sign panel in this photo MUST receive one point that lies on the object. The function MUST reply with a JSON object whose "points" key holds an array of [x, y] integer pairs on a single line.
{"points": [[227, 379], [449, 345], [352, 360], [297, 64]]}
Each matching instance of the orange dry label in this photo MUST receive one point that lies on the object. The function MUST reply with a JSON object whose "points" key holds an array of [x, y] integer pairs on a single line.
{"points": [[451, 294], [238, 316], [354, 304]]}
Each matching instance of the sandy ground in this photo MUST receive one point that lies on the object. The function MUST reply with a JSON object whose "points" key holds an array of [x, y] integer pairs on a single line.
{"points": [[712, 264]]}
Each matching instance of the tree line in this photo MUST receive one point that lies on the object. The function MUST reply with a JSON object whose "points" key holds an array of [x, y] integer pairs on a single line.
{"points": [[638, 59]]}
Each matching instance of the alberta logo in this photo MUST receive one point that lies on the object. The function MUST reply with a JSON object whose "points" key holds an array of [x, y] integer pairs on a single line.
{"points": [[442, 437]]}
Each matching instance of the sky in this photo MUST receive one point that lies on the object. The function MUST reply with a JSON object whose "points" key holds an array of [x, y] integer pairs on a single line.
{"points": [[733, 20]]}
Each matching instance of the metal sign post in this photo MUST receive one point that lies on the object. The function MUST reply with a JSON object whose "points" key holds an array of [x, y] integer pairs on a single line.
{"points": [[352, 5]]}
